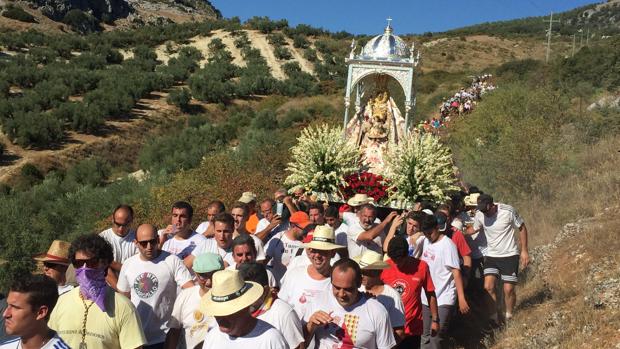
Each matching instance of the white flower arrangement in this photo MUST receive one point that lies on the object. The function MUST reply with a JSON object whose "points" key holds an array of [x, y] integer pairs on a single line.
{"points": [[321, 159], [419, 168]]}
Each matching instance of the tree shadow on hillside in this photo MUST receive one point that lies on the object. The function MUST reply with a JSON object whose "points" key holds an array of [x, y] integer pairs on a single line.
{"points": [[542, 295], [8, 159]]}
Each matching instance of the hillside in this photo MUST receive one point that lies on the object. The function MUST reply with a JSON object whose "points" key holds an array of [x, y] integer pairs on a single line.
{"points": [[208, 108]]}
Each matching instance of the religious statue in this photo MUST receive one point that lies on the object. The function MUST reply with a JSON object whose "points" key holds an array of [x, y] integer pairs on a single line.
{"points": [[376, 126]]}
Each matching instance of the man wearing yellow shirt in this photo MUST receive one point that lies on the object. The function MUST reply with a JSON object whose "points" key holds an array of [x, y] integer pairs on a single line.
{"points": [[93, 316]]}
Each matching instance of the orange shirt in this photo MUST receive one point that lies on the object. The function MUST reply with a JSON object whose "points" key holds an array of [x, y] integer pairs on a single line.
{"points": [[251, 224]]}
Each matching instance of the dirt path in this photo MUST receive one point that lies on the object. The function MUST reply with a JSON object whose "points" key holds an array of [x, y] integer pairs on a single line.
{"points": [[260, 42], [299, 57]]}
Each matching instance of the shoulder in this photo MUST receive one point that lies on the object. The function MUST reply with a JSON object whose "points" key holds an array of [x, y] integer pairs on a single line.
{"points": [[10, 343], [505, 207], [198, 237], [132, 260], [282, 307], [105, 233], [374, 306]]}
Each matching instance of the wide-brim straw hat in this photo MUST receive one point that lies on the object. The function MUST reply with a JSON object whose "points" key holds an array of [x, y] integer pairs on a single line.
{"points": [[229, 294], [360, 199], [323, 238], [247, 197], [58, 253], [371, 260], [471, 199]]}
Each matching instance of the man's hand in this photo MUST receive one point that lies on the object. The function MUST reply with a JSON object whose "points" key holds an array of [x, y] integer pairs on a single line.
{"points": [[275, 221], [524, 259], [391, 216], [463, 306], [318, 319], [434, 328], [398, 220]]}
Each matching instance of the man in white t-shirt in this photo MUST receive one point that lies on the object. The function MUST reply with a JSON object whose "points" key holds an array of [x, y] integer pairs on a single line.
{"points": [[120, 236], [230, 301], [244, 251], [441, 256], [214, 208], [371, 263], [55, 264], [188, 325], [178, 238], [364, 234], [501, 224], [271, 223], [345, 317], [30, 302], [151, 279], [332, 218], [306, 282], [270, 309], [282, 247]]}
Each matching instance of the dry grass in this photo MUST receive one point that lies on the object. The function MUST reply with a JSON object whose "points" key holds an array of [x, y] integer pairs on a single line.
{"points": [[575, 303]]}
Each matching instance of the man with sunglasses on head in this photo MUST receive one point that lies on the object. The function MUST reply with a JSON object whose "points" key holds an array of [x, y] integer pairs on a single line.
{"points": [[120, 236], [30, 303], [188, 325], [93, 316], [151, 279]]}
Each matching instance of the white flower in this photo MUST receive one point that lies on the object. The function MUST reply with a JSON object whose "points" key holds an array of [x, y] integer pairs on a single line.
{"points": [[420, 168], [321, 159]]}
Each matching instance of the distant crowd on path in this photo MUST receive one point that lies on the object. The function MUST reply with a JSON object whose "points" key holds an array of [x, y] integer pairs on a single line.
{"points": [[289, 272], [462, 103]]}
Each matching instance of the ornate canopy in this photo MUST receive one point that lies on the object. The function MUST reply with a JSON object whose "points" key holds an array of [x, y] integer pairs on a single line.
{"points": [[385, 54]]}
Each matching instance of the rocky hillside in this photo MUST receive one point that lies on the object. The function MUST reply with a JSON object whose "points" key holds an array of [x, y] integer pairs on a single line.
{"points": [[52, 14]]}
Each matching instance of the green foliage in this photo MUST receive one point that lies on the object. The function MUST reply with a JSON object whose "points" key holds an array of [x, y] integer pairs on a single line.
{"points": [[510, 138], [276, 39], [89, 172], [300, 41], [33, 128], [180, 98], [18, 13], [282, 53], [597, 65], [266, 25], [81, 21]]}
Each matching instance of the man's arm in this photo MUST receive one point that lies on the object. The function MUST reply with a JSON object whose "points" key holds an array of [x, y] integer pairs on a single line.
{"points": [[525, 257], [263, 234], [318, 319], [398, 220], [460, 291], [375, 231], [288, 201], [432, 304]]}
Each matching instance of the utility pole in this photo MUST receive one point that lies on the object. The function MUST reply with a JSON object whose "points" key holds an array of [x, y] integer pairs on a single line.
{"points": [[588, 36], [574, 38], [549, 31]]}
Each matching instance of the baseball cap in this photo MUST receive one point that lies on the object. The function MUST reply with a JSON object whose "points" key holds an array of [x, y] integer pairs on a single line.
{"points": [[442, 221], [484, 200], [208, 262], [300, 218], [247, 197]]}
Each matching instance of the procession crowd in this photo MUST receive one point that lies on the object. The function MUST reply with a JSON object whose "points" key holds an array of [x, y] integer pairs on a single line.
{"points": [[461, 103], [289, 272]]}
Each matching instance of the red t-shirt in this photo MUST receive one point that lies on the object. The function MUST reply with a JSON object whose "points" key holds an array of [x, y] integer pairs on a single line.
{"points": [[409, 283], [461, 244]]}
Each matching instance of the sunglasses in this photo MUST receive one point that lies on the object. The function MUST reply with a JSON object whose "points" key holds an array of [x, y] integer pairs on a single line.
{"points": [[122, 225], [51, 265], [90, 263], [145, 243]]}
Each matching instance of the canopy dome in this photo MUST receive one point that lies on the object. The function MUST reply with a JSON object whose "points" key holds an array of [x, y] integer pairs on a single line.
{"points": [[386, 46]]}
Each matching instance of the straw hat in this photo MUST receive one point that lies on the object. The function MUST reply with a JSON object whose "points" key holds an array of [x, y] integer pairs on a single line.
{"points": [[371, 260], [229, 294], [471, 199], [58, 253], [360, 199], [323, 238], [247, 197]]}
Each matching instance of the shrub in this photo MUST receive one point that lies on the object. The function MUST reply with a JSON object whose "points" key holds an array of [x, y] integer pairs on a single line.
{"points": [[180, 98], [19, 14], [33, 128], [91, 172], [276, 39], [282, 53], [300, 41], [81, 22]]}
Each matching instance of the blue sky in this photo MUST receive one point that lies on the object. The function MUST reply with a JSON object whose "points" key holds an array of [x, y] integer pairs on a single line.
{"points": [[409, 16]]}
